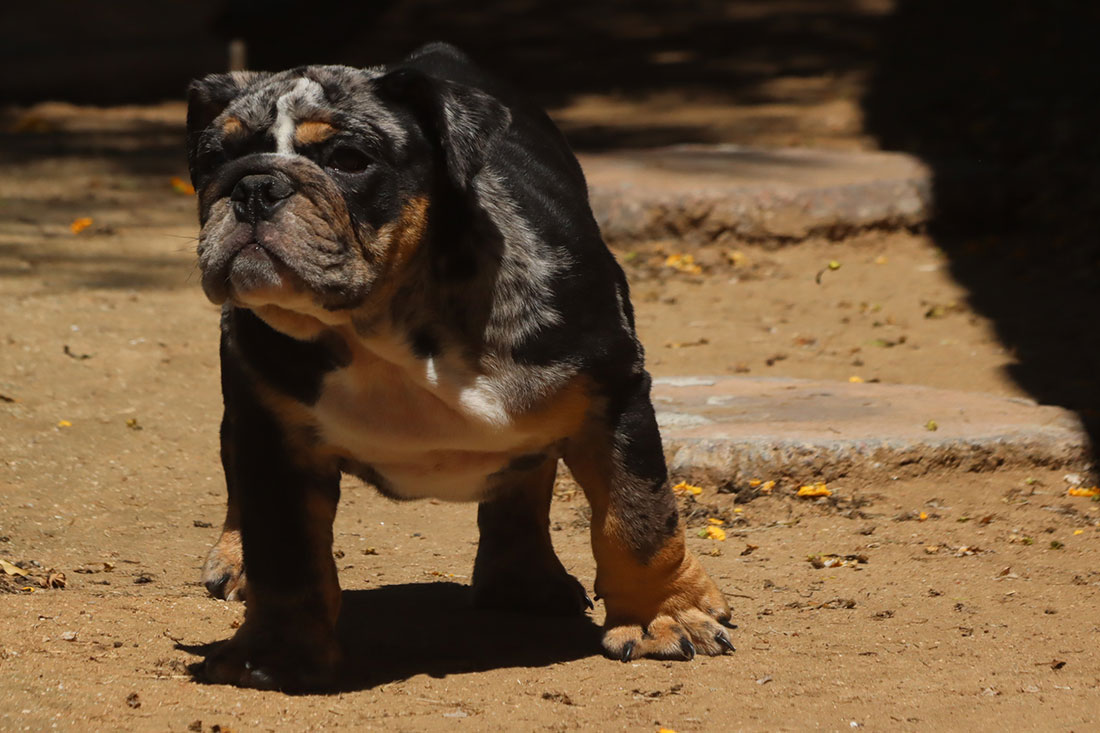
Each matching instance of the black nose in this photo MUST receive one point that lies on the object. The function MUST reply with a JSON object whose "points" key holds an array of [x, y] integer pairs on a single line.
{"points": [[258, 197]]}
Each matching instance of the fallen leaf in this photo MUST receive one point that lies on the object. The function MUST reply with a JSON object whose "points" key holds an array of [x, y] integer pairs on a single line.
{"points": [[855, 380], [749, 549], [685, 488], [10, 569], [64, 424], [1081, 491], [821, 562], [754, 482], [80, 224], [181, 186], [683, 263], [931, 425], [714, 533], [766, 487], [818, 489]]}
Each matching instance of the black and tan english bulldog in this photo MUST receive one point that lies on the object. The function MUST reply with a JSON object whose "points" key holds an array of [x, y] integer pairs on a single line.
{"points": [[414, 291]]}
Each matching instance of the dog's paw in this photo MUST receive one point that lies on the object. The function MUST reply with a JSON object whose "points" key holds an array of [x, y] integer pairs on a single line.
{"points": [[292, 658], [669, 637], [688, 615], [534, 589], [223, 573]]}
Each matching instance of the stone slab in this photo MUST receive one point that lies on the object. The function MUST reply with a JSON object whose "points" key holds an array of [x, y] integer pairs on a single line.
{"points": [[714, 193], [736, 428]]}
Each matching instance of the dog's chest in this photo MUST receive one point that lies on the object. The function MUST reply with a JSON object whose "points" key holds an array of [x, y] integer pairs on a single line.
{"points": [[428, 428]]}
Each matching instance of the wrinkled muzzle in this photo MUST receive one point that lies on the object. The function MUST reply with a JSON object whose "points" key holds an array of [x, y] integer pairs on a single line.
{"points": [[276, 231]]}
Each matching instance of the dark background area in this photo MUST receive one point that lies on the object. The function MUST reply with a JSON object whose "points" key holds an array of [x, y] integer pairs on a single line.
{"points": [[999, 97]]}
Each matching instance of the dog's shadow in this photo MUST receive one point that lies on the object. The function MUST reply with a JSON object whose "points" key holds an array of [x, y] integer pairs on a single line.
{"points": [[395, 632]]}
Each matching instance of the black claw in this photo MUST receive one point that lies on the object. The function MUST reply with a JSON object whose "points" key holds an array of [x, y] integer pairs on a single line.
{"points": [[724, 640], [628, 652], [588, 602], [726, 622], [687, 648], [216, 587]]}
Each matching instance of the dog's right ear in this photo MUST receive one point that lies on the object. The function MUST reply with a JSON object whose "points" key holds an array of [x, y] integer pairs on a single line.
{"points": [[207, 98]]}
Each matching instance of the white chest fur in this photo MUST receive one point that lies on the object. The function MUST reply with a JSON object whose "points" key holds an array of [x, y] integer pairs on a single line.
{"points": [[430, 428]]}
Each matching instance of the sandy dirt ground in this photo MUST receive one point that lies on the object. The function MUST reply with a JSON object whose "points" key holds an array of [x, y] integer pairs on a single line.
{"points": [[956, 601]]}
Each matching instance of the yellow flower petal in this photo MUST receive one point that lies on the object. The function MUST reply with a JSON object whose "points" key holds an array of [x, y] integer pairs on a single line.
{"points": [[181, 186], [685, 488], [1082, 491], [818, 489], [715, 533]]}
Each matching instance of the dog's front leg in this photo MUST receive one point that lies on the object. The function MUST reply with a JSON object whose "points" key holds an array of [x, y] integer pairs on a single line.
{"points": [[659, 601], [286, 500]]}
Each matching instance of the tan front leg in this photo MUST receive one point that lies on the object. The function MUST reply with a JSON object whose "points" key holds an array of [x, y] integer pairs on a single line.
{"points": [[659, 601]]}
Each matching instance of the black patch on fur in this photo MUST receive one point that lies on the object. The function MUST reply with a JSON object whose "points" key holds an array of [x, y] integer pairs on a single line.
{"points": [[270, 488], [526, 462], [644, 503], [424, 344], [295, 368], [367, 473]]}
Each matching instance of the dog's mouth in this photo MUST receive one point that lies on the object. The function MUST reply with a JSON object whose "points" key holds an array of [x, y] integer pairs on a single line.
{"points": [[241, 268]]}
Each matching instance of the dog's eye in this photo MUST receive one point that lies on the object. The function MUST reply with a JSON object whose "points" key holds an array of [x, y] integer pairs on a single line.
{"points": [[348, 160]]}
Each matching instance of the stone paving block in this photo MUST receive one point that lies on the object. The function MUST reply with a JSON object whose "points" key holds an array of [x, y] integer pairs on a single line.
{"points": [[732, 429], [714, 193]]}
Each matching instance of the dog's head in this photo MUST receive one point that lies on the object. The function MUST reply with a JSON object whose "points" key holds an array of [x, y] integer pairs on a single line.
{"points": [[316, 185]]}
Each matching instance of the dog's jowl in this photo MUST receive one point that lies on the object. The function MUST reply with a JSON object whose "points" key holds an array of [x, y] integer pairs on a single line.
{"points": [[414, 291]]}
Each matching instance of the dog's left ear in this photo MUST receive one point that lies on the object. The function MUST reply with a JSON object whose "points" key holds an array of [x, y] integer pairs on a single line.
{"points": [[467, 121], [207, 98]]}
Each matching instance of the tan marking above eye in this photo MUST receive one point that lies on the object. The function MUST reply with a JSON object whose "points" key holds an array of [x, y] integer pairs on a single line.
{"points": [[313, 131], [232, 126]]}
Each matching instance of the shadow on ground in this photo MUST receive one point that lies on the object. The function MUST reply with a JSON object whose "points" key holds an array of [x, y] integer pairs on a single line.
{"points": [[994, 96], [396, 632]]}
